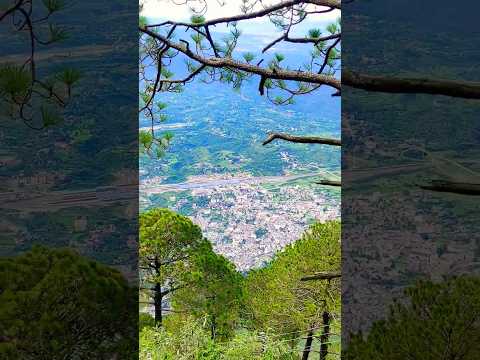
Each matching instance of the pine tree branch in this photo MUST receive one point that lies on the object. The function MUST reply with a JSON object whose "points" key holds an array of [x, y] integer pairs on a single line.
{"points": [[278, 74], [323, 275], [11, 10], [453, 187], [187, 78], [302, 139], [454, 88], [335, 4], [329, 182], [305, 40], [327, 55]]}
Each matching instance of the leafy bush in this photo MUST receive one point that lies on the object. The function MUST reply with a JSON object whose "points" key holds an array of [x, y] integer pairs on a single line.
{"points": [[183, 338], [184, 341], [145, 320]]}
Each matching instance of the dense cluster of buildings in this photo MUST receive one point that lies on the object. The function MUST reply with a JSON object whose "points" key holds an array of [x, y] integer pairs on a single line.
{"points": [[249, 222]]}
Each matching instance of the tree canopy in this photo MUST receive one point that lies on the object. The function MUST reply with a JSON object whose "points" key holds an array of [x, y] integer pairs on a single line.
{"points": [[439, 321], [168, 244], [215, 294], [264, 314], [278, 298], [168, 238], [56, 303]]}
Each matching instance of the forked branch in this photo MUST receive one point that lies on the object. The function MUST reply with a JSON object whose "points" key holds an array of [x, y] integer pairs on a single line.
{"points": [[226, 62]]}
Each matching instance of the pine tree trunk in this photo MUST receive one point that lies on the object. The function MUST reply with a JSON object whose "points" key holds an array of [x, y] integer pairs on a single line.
{"points": [[213, 328], [157, 303], [324, 336], [308, 345]]}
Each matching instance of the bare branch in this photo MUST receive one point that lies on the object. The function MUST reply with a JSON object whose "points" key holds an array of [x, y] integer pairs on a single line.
{"points": [[327, 55], [454, 88], [210, 40], [187, 78], [274, 42], [453, 187], [329, 182], [302, 139], [313, 40], [261, 85], [323, 275]]}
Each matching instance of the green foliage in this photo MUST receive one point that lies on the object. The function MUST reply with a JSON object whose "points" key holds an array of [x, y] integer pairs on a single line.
{"points": [[217, 312], [197, 38], [248, 56], [215, 293], [235, 31], [250, 345], [440, 321], [166, 73], [69, 76], [187, 339], [168, 136], [55, 303], [279, 57], [14, 82], [29, 95], [145, 96], [161, 105], [278, 22], [332, 56], [142, 21], [317, 50], [333, 28], [207, 285], [53, 5], [166, 236], [57, 33], [197, 19], [145, 320], [275, 296], [314, 33], [49, 116], [145, 139], [149, 141]]}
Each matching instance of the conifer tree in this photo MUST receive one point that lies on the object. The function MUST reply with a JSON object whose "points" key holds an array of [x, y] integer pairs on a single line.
{"points": [[56, 304], [215, 294], [439, 321], [168, 244]]}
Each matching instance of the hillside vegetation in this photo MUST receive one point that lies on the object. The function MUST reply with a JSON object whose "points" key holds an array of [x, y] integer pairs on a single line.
{"points": [[203, 308]]}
